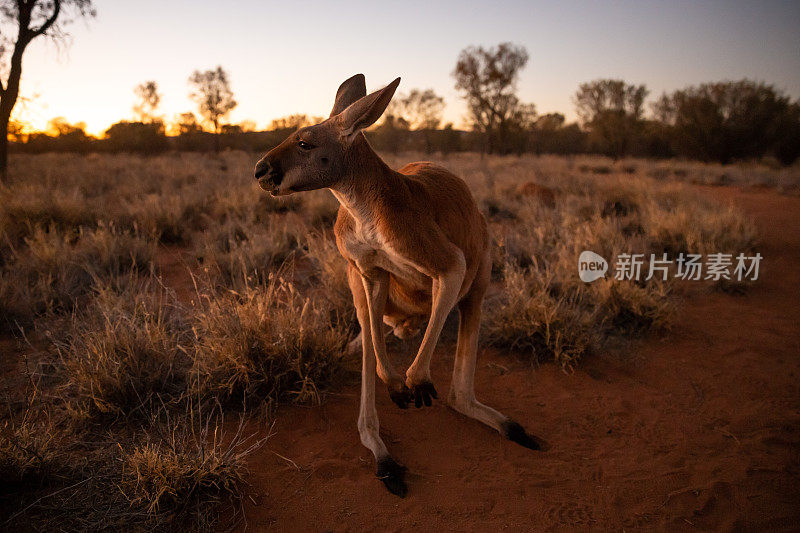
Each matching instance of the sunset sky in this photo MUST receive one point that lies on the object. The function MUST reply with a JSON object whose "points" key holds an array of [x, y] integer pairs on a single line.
{"points": [[289, 57]]}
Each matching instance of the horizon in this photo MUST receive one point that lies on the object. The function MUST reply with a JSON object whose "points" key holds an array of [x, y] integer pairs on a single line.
{"points": [[665, 47]]}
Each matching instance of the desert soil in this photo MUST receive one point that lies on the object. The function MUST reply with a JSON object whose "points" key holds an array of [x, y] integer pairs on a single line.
{"points": [[699, 428]]}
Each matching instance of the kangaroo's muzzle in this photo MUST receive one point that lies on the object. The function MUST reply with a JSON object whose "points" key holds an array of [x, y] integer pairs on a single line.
{"points": [[269, 176]]}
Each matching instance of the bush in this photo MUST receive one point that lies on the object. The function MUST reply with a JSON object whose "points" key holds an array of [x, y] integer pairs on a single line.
{"points": [[127, 354], [53, 270], [545, 309], [267, 343], [146, 138], [185, 468]]}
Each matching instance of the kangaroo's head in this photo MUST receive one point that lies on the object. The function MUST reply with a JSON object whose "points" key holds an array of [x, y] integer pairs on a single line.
{"points": [[318, 156]]}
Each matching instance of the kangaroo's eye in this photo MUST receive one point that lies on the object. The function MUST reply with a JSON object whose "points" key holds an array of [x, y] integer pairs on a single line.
{"points": [[304, 145]]}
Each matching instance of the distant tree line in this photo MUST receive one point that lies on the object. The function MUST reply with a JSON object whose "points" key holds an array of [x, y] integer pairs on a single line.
{"points": [[722, 121]]}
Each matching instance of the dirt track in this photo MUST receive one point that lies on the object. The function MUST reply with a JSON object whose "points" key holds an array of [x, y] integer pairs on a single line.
{"points": [[700, 429]]}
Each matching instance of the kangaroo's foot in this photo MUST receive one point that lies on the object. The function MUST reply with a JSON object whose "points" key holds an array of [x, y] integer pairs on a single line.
{"points": [[393, 476], [516, 433]]}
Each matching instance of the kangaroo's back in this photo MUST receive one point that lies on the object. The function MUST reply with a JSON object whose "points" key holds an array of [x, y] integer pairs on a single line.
{"points": [[449, 201]]}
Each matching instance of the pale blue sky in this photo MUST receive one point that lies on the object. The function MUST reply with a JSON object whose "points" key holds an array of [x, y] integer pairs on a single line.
{"points": [[289, 56]]}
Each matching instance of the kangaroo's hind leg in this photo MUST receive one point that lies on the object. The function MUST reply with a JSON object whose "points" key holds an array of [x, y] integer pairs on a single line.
{"points": [[462, 389]]}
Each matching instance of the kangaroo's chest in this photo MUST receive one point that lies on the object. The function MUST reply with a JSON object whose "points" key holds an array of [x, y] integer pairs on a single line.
{"points": [[370, 250]]}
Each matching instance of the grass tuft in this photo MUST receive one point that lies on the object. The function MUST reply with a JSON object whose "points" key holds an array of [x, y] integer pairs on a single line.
{"points": [[127, 353], [268, 342]]}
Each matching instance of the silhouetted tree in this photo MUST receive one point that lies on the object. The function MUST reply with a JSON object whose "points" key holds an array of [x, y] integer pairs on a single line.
{"points": [[247, 125], [731, 120], [186, 123], [488, 77], [449, 139], [67, 137], [189, 134], [145, 137], [230, 129], [147, 102], [544, 130], [30, 18], [59, 136], [59, 127], [570, 139], [16, 131], [596, 97], [213, 95], [421, 110], [516, 132], [611, 110], [550, 122]]}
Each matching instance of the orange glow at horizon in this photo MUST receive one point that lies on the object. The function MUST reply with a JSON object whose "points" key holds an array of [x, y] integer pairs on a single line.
{"points": [[285, 67]]}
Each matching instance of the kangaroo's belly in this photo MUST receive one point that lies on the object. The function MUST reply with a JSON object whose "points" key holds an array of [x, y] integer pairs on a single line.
{"points": [[409, 289], [408, 300]]}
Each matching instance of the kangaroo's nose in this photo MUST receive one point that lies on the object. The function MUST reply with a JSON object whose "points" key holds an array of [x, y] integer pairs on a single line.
{"points": [[262, 168], [269, 171]]}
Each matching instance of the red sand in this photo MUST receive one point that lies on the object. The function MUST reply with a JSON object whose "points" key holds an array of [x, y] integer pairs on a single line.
{"points": [[699, 429]]}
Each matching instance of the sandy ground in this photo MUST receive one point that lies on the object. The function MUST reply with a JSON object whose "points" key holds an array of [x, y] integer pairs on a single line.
{"points": [[697, 429]]}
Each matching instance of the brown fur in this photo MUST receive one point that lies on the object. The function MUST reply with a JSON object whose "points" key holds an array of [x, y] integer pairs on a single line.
{"points": [[422, 211]]}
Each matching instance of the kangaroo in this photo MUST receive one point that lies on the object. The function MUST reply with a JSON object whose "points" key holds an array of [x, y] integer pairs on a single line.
{"points": [[416, 246]]}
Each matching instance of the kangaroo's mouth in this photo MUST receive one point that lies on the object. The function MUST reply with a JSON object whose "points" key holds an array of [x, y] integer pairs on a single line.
{"points": [[267, 184]]}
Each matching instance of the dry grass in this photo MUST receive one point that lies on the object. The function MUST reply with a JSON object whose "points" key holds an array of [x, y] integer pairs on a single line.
{"points": [[29, 450], [126, 354], [271, 315], [240, 252], [766, 174], [544, 211], [268, 343], [185, 466], [178, 474], [329, 274], [52, 269]]}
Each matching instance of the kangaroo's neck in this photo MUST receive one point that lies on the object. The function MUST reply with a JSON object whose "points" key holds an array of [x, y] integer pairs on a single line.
{"points": [[366, 183]]}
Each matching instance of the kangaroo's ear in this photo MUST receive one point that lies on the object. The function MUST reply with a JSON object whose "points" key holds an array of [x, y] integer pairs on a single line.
{"points": [[349, 91], [367, 110]]}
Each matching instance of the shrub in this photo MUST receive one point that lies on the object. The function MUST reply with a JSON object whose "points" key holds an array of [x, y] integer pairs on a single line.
{"points": [[268, 343], [529, 318], [29, 451], [52, 270], [127, 354], [184, 468]]}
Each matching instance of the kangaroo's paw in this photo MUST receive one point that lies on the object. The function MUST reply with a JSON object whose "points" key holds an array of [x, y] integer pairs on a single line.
{"points": [[393, 476], [401, 396], [423, 392], [516, 433]]}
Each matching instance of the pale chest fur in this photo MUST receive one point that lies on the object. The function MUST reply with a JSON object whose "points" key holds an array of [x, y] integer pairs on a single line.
{"points": [[368, 249]]}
